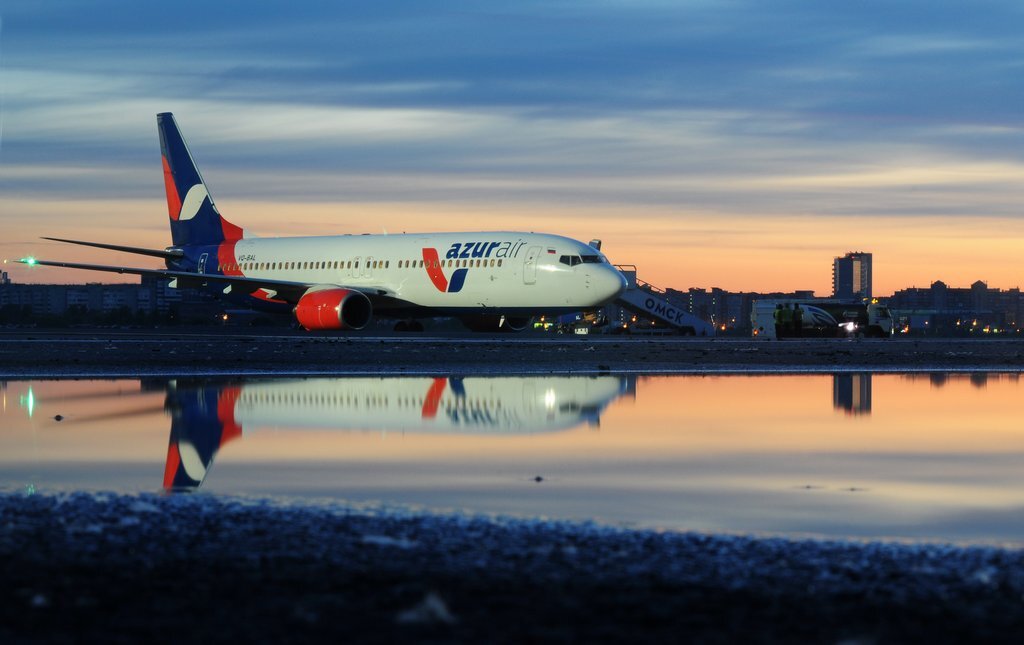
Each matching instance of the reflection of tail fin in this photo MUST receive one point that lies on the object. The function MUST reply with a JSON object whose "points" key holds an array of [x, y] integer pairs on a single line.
{"points": [[203, 420], [194, 216]]}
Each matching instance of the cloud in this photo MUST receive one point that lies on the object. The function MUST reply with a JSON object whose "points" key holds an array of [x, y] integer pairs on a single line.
{"points": [[697, 109]]}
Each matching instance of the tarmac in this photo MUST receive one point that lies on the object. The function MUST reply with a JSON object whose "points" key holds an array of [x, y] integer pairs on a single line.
{"points": [[41, 354]]}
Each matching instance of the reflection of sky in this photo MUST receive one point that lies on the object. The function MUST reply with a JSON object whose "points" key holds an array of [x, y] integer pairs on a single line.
{"points": [[772, 136], [936, 458]]}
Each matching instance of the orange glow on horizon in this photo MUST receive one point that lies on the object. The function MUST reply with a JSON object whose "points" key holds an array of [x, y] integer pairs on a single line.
{"points": [[671, 247]]}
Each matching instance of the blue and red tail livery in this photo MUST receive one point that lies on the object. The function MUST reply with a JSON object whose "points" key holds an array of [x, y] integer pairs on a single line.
{"points": [[194, 216]]}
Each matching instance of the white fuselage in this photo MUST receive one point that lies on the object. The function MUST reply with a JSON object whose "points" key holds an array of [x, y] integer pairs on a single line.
{"points": [[447, 272], [477, 405]]}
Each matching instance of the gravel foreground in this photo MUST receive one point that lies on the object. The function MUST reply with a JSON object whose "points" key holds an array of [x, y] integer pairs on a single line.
{"points": [[26, 355], [193, 568]]}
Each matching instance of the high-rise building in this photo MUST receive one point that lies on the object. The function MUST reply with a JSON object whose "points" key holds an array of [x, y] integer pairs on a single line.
{"points": [[851, 276]]}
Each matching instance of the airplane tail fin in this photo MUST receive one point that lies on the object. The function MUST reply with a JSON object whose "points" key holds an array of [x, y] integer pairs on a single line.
{"points": [[202, 422], [194, 216]]}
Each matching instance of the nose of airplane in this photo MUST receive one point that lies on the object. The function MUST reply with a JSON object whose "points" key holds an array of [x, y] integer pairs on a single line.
{"points": [[608, 283]]}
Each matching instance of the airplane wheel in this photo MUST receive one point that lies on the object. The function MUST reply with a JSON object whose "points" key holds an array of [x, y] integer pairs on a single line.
{"points": [[401, 325], [415, 325]]}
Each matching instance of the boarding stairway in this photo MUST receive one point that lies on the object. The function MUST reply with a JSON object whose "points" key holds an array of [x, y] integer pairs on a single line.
{"points": [[647, 300]]}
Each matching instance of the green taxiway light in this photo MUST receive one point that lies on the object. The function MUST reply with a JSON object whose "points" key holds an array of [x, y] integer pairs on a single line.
{"points": [[29, 402], [29, 260]]}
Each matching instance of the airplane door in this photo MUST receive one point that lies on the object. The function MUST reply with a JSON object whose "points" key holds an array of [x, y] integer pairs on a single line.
{"points": [[202, 262], [530, 265]]}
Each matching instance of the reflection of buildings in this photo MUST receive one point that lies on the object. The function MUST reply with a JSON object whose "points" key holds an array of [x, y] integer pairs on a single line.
{"points": [[851, 276], [852, 393], [979, 380]]}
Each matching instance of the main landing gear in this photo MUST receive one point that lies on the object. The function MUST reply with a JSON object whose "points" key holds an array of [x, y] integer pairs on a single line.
{"points": [[408, 325]]}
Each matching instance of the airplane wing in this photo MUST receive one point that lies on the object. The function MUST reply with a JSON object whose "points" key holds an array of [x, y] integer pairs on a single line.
{"points": [[278, 289]]}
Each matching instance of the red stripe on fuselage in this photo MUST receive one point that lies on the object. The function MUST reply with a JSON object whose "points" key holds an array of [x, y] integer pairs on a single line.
{"points": [[173, 199], [433, 266], [433, 400], [226, 414], [226, 258]]}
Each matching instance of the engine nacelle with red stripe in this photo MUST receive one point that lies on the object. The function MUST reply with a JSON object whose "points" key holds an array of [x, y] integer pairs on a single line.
{"points": [[333, 309]]}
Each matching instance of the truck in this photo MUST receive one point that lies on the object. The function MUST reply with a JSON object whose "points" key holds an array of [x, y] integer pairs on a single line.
{"points": [[821, 318]]}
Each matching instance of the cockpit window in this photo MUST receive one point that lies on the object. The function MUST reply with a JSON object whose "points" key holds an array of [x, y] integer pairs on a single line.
{"points": [[573, 260]]}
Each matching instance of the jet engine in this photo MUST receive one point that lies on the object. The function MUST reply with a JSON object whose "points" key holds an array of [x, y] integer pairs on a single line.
{"points": [[333, 309]]}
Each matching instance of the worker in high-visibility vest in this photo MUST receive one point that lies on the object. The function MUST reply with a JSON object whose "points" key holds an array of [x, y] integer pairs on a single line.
{"points": [[778, 321], [798, 321]]}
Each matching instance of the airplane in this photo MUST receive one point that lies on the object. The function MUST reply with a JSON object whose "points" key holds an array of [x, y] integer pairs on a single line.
{"points": [[205, 416], [492, 281]]}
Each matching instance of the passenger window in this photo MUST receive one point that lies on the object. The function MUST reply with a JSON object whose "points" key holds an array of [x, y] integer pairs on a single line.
{"points": [[499, 261]]}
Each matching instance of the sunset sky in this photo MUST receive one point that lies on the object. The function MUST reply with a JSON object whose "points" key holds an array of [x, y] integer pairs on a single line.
{"points": [[728, 144]]}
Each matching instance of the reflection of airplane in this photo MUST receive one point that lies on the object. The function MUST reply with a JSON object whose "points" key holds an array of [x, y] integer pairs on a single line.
{"points": [[490, 280], [206, 416]]}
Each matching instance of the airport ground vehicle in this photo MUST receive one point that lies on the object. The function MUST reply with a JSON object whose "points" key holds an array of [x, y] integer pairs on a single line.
{"points": [[822, 318]]}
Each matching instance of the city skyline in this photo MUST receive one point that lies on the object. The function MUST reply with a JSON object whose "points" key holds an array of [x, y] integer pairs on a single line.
{"points": [[732, 146]]}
